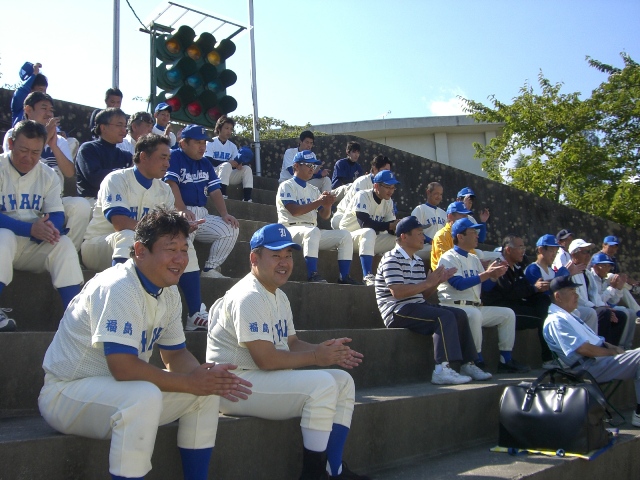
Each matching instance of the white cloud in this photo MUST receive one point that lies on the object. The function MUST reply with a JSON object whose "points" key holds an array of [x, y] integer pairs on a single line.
{"points": [[452, 106]]}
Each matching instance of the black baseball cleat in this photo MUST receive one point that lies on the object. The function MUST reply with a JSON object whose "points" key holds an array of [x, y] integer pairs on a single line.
{"points": [[349, 281], [315, 277], [347, 474], [513, 367]]}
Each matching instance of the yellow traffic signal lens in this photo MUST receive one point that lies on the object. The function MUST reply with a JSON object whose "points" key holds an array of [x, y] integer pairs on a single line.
{"points": [[213, 57], [194, 52], [173, 46]]}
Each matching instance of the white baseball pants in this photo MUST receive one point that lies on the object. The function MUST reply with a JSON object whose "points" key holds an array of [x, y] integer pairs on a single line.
{"points": [[232, 176], [479, 317], [216, 231], [323, 184], [77, 214], [313, 239], [368, 243]]}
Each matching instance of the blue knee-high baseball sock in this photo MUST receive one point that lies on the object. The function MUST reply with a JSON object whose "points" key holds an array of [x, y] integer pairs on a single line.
{"points": [[195, 463], [118, 477], [117, 260], [505, 357], [367, 264], [2, 285], [480, 359], [337, 439], [344, 266], [67, 294], [190, 285], [312, 265]]}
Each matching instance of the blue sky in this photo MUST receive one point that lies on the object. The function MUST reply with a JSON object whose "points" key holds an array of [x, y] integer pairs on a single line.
{"points": [[327, 61]]}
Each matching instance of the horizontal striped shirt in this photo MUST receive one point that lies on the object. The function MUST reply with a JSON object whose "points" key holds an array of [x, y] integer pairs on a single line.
{"points": [[396, 267]]}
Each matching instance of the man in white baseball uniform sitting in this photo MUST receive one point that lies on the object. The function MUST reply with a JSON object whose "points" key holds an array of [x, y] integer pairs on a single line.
{"points": [[124, 198], [431, 216], [371, 221], [253, 325], [321, 179], [298, 204], [98, 382], [463, 291], [31, 218]]}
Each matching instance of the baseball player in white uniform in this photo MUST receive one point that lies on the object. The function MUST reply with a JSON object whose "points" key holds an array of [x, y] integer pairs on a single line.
{"points": [[162, 114], [320, 180], [98, 382], [138, 125], [193, 181], [38, 106], [298, 204], [31, 218], [125, 197], [564, 238], [223, 155], [463, 291], [371, 221], [364, 182], [431, 216], [253, 325]]}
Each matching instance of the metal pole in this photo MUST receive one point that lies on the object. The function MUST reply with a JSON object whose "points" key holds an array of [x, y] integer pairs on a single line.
{"points": [[116, 44], [254, 93]]}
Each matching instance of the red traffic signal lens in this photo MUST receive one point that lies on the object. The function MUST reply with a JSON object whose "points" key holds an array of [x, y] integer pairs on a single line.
{"points": [[194, 109], [174, 103]]}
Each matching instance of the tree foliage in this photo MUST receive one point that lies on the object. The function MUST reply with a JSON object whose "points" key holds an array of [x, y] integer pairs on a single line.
{"points": [[270, 128], [582, 153]]}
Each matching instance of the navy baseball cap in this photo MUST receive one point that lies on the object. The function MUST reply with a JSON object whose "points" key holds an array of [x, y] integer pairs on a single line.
{"points": [[245, 155], [601, 258], [306, 156], [385, 176], [459, 226], [196, 132], [274, 237], [465, 191], [562, 234], [457, 207], [163, 106], [407, 224], [611, 240], [563, 281], [547, 240]]}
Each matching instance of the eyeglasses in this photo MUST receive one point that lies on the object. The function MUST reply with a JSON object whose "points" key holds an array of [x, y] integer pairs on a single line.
{"points": [[309, 165], [388, 187]]}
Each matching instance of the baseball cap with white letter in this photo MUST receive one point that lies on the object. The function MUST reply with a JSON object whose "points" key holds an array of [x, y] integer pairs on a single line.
{"points": [[274, 237]]}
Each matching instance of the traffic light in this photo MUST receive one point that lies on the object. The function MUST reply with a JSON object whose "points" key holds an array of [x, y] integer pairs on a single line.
{"points": [[192, 76]]}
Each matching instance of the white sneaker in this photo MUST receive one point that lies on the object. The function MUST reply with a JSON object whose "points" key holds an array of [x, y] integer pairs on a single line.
{"points": [[199, 320], [6, 324], [248, 201], [449, 376], [225, 196], [369, 280], [475, 372], [213, 273], [635, 420], [551, 364]]}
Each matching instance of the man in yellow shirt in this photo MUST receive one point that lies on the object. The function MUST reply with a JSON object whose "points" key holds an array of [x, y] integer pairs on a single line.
{"points": [[443, 240]]}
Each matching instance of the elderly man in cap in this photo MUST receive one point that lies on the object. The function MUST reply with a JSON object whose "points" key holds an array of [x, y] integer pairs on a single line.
{"points": [[193, 181], [431, 216], [298, 204], [139, 124], [162, 114], [443, 240], [610, 323], [402, 288], [372, 222], [580, 348], [463, 291]]}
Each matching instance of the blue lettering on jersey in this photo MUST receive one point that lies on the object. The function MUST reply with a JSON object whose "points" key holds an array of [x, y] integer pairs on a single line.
{"points": [[134, 212], [221, 155], [127, 330], [111, 326], [253, 327], [470, 273], [109, 197], [25, 203], [265, 328], [155, 336], [282, 332], [143, 341], [118, 197]]}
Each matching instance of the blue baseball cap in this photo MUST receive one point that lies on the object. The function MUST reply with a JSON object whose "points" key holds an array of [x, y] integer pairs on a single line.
{"points": [[459, 226], [26, 71], [601, 258], [457, 207], [465, 191], [306, 156], [563, 281], [163, 106], [611, 240], [196, 132], [245, 155], [407, 224], [274, 237], [385, 176], [547, 240]]}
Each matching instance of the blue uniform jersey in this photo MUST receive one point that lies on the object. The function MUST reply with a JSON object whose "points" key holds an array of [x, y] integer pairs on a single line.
{"points": [[345, 171], [195, 178]]}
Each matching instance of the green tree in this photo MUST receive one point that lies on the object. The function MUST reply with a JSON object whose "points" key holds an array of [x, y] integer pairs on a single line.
{"points": [[270, 128]]}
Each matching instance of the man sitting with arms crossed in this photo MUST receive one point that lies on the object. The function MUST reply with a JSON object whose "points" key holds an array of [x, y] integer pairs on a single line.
{"points": [[402, 289], [579, 348], [253, 325], [463, 291], [98, 381]]}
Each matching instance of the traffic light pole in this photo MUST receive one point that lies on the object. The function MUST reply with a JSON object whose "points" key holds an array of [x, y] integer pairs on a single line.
{"points": [[116, 44], [254, 94]]}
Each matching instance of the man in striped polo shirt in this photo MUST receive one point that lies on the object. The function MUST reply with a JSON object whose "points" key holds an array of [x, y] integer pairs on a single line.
{"points": [[402, 288]]}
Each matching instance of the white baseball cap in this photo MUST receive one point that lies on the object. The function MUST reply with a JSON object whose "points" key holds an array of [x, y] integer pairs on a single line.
{"points": [[578, 243]]}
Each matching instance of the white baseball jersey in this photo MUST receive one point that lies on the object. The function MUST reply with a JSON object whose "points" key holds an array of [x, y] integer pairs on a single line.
{"points": [[287, 161], [128, 144], [562, 258], [157, 131], [365, 182], [113, 307], [122, 189], [433, 218], [246, 313], [292, 191], [364, 201], [468, 266], [27, 197], [222, 152]]}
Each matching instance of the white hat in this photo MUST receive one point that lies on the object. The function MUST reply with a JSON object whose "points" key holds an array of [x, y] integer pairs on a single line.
{"points": [[578, 243]]}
